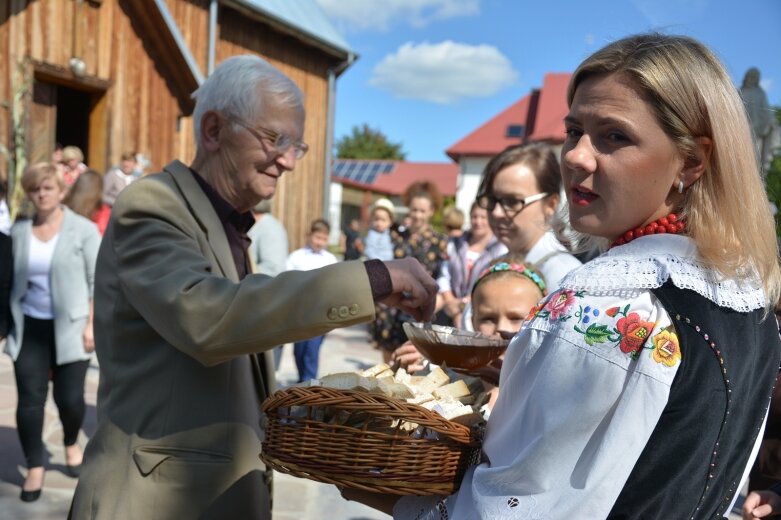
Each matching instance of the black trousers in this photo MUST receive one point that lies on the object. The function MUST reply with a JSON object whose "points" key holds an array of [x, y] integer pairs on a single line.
{"points": [[37, 359]]}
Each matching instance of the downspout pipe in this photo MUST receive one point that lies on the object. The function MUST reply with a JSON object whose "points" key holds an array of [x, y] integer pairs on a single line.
{"points": [[213, 8], [333, 73]]}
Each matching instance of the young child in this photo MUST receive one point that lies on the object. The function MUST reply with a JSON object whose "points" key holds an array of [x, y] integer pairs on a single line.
{"points": [[502, 297], [312, 256], [378, 240]]}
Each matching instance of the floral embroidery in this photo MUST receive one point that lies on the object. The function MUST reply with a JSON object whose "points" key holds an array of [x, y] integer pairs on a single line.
{"points": [[534, 311], [667, 349], [629, 332], [614, 311], [634, 332], [559, 303]]}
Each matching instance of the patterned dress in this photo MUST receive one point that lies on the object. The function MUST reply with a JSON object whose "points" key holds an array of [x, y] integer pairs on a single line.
{"points": [[429, 247]]}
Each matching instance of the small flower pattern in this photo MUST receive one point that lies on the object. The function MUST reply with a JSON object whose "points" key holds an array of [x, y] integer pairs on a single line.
{"points": [[667, 349], [616, 326], [634, 333]]}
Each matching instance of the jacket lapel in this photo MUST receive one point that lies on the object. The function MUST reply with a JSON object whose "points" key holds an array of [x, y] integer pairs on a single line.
{"points": [[204, 213]]}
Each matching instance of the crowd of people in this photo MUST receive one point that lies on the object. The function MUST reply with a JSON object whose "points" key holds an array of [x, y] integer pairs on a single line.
{"points": [[636, 384]]}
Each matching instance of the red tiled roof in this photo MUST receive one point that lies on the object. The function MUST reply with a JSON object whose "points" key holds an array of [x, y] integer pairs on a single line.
{"points": [[551, 108], [491, 138], [395, 182], [542, 110]]}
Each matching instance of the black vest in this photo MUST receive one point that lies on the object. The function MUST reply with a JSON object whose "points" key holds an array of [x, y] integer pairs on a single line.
{"points": [[696, 455]]}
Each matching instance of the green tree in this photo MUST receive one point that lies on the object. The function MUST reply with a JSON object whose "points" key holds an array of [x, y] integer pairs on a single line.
{"points": [[367, 143], [773, 179]]}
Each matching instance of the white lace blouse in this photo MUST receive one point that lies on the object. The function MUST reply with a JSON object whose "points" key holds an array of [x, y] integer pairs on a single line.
{"points": [[582, 387]]}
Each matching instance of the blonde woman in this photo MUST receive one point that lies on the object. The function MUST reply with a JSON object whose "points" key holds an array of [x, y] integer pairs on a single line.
{"points": [[51, 304], [638, 389]]}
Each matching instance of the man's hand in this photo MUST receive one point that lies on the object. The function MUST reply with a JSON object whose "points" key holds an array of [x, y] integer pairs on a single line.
{"points": [[761, 504], [414, 291]]}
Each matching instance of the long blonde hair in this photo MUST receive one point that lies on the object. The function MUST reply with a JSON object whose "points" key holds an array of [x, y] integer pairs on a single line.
{"points": [[727, 212]]}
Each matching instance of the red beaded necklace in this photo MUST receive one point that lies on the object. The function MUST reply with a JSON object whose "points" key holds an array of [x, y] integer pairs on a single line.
{"points": [[668, 224]]}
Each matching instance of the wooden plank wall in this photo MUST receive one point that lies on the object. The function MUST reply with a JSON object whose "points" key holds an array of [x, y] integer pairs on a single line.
{"points": [[142, 109], [141, 104], [299, 198]]}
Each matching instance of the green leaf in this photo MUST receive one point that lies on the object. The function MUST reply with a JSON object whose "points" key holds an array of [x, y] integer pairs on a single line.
{"points": [[596, 334]]}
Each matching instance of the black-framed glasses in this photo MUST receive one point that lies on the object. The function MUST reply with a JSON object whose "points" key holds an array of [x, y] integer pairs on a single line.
{"points": [[510, 205], [281, 143]]}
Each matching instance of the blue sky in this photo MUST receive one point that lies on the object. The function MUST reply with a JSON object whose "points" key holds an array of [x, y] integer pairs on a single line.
{"points": [[431, 71]]}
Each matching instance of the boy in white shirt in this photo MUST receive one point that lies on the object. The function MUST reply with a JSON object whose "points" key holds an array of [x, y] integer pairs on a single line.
{"points": [[312, 256]]}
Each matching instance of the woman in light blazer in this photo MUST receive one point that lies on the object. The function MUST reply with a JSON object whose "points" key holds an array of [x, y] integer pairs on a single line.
{"points": [[51, 305]]}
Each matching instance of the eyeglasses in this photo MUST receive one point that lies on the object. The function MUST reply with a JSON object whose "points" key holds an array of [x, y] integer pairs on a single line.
{"points": [[510, 205], [281, 143]]}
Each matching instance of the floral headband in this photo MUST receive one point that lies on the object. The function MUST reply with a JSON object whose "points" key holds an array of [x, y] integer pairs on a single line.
{"points": [[518, 268]]}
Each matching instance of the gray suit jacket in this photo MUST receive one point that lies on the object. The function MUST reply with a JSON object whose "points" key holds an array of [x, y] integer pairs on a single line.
{"points": [[178, 431], [71, 281]]}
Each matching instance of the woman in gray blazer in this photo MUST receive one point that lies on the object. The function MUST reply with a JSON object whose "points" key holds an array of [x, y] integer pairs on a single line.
{"points": [[51, 305]]}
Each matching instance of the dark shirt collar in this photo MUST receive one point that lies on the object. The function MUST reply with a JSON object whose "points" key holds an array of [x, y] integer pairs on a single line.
{"points": [[242, 222], [234, 224]]}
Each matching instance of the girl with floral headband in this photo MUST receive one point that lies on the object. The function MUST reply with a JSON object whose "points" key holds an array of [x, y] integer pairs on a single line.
{"points": [[639, 388], [503, 295]]}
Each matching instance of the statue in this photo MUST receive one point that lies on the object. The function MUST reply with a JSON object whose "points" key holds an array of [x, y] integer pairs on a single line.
{"points": [[761, 117]]}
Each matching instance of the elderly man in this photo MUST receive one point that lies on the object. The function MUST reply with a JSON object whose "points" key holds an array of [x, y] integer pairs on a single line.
{"points": [[179, 317]]}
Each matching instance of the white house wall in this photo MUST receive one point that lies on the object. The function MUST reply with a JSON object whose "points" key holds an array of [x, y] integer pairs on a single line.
{"points": [[470, 174]]}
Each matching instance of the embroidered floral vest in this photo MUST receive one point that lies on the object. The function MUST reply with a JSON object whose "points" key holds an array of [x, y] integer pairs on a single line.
{"points": [[694, 460]]}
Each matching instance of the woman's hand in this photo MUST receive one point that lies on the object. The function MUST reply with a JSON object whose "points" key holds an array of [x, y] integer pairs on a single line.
{"points": [[409, 358], [761, 504], [88, 338]]}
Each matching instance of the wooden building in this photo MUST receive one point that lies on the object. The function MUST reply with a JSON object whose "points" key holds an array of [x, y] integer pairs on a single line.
{"points": [[117, 75]]}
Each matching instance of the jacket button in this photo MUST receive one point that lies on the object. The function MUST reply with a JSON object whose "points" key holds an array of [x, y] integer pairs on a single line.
{"points": [[343, 312], [353, 309], [333, 313]]}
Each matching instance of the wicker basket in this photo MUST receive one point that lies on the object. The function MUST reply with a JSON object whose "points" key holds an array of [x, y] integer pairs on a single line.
{"points": [[298, 442]]}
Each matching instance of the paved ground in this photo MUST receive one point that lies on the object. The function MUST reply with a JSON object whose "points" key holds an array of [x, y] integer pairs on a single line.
{"points": [[294, 499]]}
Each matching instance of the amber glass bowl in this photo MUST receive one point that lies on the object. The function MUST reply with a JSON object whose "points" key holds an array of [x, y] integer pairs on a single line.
{"points": [[455, 348]]}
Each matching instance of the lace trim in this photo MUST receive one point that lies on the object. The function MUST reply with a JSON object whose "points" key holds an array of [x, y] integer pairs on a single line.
{"points": [[611, 272]]}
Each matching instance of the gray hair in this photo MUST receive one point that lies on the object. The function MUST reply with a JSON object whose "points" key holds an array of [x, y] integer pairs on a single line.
{"points": [[241, 86]]}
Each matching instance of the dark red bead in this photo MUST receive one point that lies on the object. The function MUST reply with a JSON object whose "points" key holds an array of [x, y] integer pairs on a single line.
{"points": [[629, 235], [661, 229], [671, 228], [650, 230], [640, 232], [663, 221], [672, 217]]}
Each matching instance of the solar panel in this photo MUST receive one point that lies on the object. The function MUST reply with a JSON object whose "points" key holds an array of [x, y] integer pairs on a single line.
{"points": [[364, 172]]}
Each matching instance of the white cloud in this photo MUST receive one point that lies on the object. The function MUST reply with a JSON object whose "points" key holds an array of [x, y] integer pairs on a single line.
{"points": [[358, 15], [443, 72]]}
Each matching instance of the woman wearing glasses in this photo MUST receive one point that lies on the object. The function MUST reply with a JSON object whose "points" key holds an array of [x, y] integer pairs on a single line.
{"points": [[521, 189]]}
